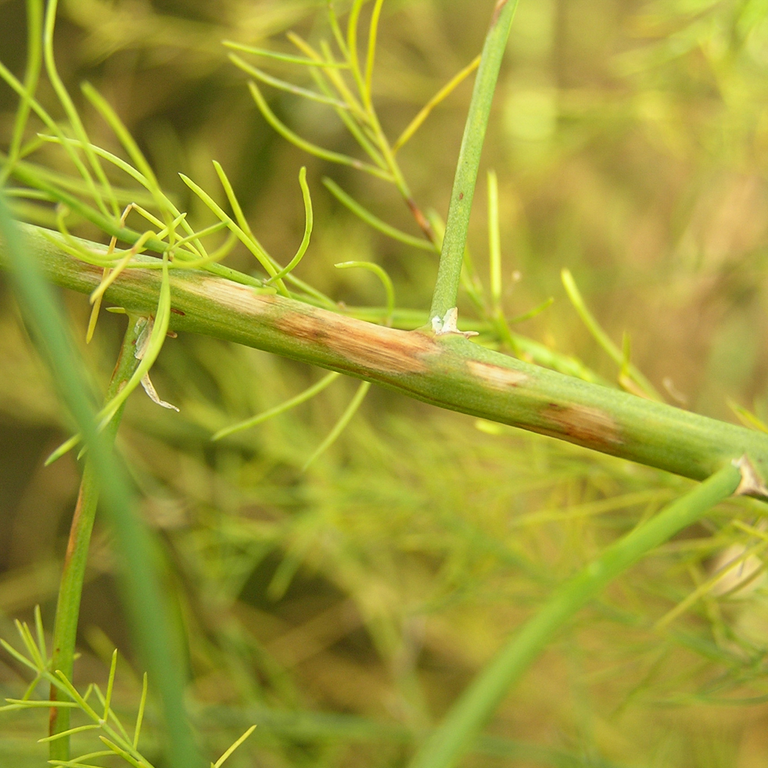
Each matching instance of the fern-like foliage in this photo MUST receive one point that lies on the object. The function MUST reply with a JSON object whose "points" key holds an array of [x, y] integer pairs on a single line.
{"points": [[102, 722]]}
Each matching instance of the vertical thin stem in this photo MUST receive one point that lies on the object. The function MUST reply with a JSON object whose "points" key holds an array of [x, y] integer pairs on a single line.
{"points": [[73, 575], [476, 705], [457, 225], [31, 76], [144, 600]]}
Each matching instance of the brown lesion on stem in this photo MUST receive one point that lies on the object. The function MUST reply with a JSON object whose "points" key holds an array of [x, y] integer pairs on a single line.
{"points": [[495, 376], [371, 347], [54, 716], [591, 427]]}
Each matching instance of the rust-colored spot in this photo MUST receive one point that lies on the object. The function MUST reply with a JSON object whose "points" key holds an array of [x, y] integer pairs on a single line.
{"points": [[496, 376], [368, 346], [590, 427], [177, 311], [53, 715]]}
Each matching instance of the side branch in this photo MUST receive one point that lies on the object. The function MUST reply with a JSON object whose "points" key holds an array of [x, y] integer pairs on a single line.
{"points": [[447, 371], [463, 190]]}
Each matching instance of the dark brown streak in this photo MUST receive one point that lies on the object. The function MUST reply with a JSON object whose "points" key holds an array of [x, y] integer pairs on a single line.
{"points": [[421, 220]]}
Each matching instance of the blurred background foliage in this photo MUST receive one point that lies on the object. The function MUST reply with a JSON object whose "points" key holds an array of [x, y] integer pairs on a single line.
{"points": [[343, 608]]}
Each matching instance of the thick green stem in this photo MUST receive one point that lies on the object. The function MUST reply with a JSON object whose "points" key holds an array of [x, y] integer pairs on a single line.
{"points": [[473, 709], [73, 574], [457, 224], [446, 371]]}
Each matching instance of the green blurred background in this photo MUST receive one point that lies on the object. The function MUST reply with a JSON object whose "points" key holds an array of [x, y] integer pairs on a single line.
{"points": [[343, 608]]}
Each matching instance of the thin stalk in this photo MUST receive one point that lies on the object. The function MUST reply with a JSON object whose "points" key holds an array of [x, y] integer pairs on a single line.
{"points": [[386, 281], [31, 76], [446, 291], [307, 146], [477, 704], [374, 221], [340, 425], [441, 95], [23, 173], [352, 116], [604, 340], [49, 24], [145, 603], [447, 371], [73, 575], [302, 397], [494, 253], [283, 85], [372, 34], [366, 115]]}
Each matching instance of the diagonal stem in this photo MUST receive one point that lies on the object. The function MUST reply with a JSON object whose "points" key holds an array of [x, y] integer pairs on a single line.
{"points": [[477, 704], [447, 371]]}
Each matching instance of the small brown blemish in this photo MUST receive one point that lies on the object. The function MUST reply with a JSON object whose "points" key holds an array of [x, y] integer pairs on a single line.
{"points": [[495, 375], [177, 311], [586, 426], [461, 195]]}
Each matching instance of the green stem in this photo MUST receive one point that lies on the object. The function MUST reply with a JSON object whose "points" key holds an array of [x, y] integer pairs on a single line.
{"points": [[24, 172], [34, 61], [449, 272], [144, 600], [476, 705], [73, 575], [447, 371]]}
